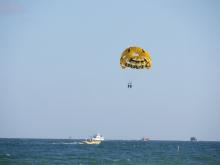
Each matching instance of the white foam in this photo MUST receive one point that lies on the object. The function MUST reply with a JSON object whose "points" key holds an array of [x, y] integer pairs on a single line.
{"points": [[7, 154]]}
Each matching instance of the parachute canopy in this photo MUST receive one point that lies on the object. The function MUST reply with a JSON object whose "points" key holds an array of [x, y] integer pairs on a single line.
{"points": [[135, 57]]}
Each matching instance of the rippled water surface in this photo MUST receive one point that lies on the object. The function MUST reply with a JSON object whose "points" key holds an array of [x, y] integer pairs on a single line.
{"points": [[48, 151]]}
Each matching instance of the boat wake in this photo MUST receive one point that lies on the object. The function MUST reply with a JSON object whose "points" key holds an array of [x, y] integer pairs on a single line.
{"points": [[67, 143]]}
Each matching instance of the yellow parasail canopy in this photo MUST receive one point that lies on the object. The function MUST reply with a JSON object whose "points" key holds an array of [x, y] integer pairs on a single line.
{"points": [[135, 57]]}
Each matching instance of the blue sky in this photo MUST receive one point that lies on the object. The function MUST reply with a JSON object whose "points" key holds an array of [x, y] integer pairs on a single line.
{"points": [[60, 73]]}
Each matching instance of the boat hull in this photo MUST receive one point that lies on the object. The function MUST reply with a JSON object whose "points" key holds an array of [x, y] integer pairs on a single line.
{"points": [[91, 142]]}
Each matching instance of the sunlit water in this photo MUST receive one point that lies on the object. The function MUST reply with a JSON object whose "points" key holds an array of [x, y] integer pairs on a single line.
{"points": [[48, 151]]}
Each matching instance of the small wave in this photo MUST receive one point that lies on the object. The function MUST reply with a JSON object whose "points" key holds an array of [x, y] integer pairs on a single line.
{"points": [[8, 155]]}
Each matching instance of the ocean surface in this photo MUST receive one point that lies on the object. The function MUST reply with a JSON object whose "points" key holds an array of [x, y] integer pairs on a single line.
{"points": [[115, 152]]}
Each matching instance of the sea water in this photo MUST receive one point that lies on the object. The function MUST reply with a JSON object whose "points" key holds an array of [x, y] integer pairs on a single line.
{"points": [[109, 152]]}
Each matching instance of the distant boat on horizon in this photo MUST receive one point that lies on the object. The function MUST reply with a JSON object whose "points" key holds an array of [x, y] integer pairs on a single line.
{"points": [[96, 139], [193, 139], [145, 139]]}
